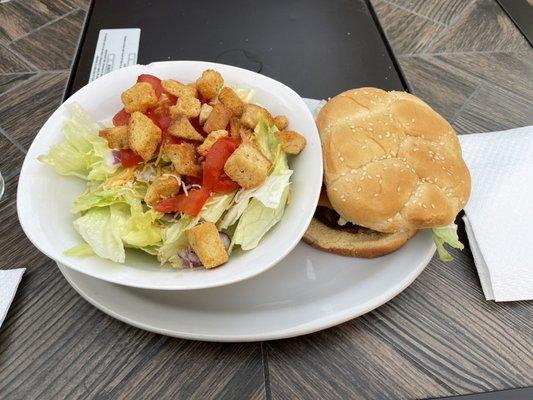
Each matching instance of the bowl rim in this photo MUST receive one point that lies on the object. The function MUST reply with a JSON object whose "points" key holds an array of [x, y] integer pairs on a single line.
{"points": [[26, 222]]}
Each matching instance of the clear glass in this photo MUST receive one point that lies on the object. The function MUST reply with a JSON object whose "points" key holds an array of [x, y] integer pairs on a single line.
{"points": [[1, 186]]}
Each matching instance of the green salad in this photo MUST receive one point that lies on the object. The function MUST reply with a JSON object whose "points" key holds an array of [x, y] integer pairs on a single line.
{"points": [[185, 172]]}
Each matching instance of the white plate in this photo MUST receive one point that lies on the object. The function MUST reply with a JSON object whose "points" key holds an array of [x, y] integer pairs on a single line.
{"points": [[308, 291], [44, 198]]}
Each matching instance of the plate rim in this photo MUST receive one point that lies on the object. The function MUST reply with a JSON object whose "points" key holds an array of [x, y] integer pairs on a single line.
{"points": [[315, 325], [24, 217]]}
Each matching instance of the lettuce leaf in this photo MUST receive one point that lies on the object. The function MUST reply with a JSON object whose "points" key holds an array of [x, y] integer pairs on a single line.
{"points": [[102, 198], [174, 239], [139, 231], [80, 250], [256, 220], [215, 207], [266, 140], [82, 152], [101, 228], [446, 235], [113, 224]]}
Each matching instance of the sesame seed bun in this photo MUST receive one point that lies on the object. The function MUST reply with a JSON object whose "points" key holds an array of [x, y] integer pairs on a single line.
{"points": [[391, 163]]}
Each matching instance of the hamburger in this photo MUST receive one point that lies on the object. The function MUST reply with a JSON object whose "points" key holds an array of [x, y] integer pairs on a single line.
{"points": [[392, 166]]}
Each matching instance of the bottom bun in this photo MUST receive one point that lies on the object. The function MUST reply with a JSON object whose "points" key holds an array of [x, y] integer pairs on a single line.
{"points": [[365, 245]]}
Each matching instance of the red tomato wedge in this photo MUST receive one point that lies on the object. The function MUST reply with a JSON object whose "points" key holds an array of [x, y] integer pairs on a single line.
{"points": [[152, 80], [190, 204], [121, 118], [160, 117], [168, 138], [129, 159], [225, 185], [214, 165]]}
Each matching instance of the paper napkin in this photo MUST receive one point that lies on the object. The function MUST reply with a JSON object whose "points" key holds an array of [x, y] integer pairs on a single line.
{"points": [[9, 281], [499, 214]]}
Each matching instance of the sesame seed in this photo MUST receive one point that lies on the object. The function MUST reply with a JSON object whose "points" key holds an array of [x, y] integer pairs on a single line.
{"points": [[341, 158], [423, 205], [389, 219], [358, 189], [433, 206], [343, 199], [412, 120], [398, 189], [379, 136], [335, 189], [375, 195]]}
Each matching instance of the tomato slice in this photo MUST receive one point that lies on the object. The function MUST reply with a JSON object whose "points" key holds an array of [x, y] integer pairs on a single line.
{"points": [[168, 138], [152, 80], [121, 118], [190, 204], [225, 185], [214, 164], [129, 159]]}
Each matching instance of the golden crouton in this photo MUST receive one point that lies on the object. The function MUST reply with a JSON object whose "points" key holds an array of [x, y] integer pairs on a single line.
{"points": [[210, 140], [117, 137], [281, 122], [183, 158], [218, 119], [253, 113], [205, 111], [178, 89], [188, 106], [181, 127], [247, 166], [206, 243], [230, 99], [209, 83], [139, 97], [143, 135], [247, 135], [291, 142], [163, 187]]}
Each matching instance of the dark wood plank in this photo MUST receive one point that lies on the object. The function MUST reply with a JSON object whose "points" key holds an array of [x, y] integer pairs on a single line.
{"points": [[19, 17], [10, 62], [11, 159], [437, 10], [408, 33], [8, 82], [52, 47], [482, 27], [509, 71], [492, 109], [443, 88], [81, 3], [25, 108]]}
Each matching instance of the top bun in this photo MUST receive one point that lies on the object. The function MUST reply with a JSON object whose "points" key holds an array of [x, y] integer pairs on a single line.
{"points": [[391, 163]]}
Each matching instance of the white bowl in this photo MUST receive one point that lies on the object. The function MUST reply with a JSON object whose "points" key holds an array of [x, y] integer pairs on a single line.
{"points": [[44, 198]]}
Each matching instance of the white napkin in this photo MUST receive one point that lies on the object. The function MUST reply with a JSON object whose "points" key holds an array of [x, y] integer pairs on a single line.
{"points": [[9, 281], [499, 214]]}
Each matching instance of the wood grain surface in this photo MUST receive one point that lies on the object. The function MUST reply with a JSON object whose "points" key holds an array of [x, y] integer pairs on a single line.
{"points": [[437, 338]]}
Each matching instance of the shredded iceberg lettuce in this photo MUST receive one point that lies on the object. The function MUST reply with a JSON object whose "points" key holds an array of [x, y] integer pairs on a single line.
{"points": [[174, 239], [82, 152], [256, 221], [80, 250], [446, 235], [215, 207]]}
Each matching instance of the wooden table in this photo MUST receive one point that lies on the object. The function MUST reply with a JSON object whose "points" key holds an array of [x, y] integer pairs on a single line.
{"points": [[439, 337]]}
